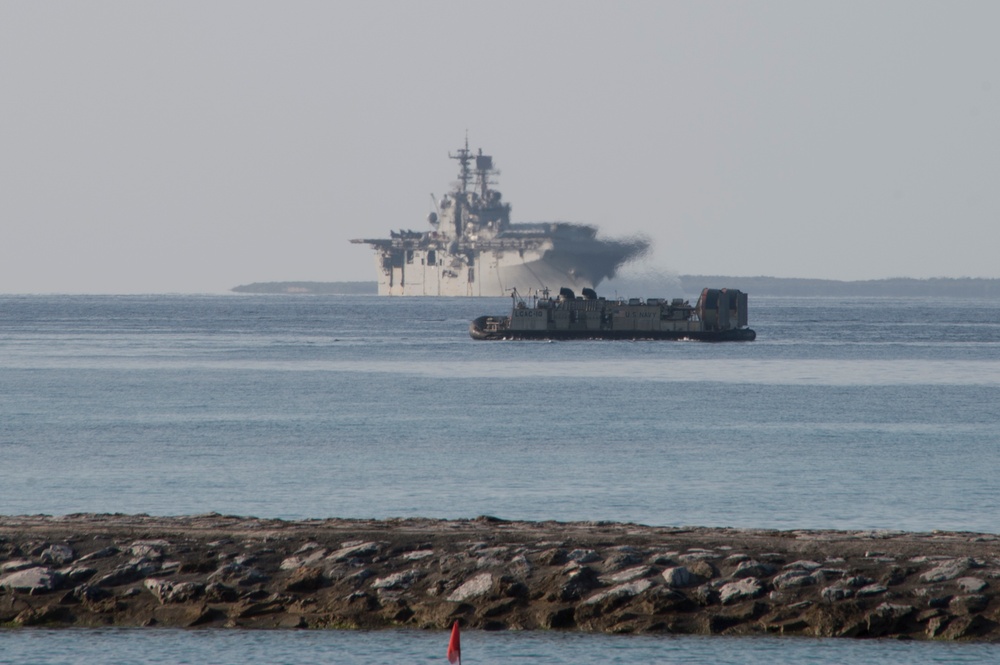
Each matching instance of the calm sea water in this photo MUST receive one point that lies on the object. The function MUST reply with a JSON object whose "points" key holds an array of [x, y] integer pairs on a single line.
{"points": [[154, 646], [851, 414]]}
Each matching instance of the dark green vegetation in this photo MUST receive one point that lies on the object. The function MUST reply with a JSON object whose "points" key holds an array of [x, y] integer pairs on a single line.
{"points": [[943, 287]]}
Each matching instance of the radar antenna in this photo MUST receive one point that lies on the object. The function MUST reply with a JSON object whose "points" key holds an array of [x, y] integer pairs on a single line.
{"points": [[464, 156]]}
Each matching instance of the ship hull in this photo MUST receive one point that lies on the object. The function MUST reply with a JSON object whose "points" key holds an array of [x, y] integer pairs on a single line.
{"points": [[490, 273]]}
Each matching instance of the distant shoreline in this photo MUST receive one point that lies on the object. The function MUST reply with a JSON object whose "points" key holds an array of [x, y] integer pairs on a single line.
{"points": [[944, 287]]}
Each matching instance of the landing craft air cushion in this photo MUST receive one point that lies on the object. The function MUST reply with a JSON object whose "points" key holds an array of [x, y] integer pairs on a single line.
{"points": [[719, 316]]}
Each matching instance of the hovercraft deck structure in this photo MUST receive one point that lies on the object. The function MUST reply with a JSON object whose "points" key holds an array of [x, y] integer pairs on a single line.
{"points": [[473, 248], [719, 316]]}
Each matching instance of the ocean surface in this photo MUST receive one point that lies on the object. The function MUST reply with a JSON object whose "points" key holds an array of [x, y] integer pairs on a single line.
{"points": [[872, 413]]}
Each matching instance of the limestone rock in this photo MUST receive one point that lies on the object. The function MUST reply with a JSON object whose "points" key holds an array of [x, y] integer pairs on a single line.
{"points": [[617, 594], [39, 579], [796, 577], [630, 574], [805, 565], [16, 565], [102, 553], [751, 568], [748, 587], [971, 584], [239, 574], [583, 556], [871, 590], [401, 580], [623, 557], [152, 550], [680, 577], [77, 575], [477, 586], [948, 570], [834, 593], [127, 574], [58, 555], [349, 551], [173, 592]]}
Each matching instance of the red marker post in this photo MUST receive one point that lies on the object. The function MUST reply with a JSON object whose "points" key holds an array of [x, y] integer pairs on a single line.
{"points": [[455, 646]]}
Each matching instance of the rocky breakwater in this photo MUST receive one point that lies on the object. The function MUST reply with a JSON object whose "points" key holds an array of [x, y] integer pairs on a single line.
{"points": [[213, 570]]}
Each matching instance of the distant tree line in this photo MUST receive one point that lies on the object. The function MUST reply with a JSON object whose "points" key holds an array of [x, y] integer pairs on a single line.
{"points": [[941, 287], [325, 288]]}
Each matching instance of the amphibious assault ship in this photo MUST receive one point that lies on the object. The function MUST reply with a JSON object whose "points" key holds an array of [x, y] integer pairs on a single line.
{"points": [[719, 316], [473, 249]]}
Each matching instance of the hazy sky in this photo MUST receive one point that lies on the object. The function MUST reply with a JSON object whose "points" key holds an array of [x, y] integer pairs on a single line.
{"points": [[179, 146]]}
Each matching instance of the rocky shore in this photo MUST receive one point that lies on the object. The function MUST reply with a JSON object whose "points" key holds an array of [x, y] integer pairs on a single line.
{"points": [[491, 574]]}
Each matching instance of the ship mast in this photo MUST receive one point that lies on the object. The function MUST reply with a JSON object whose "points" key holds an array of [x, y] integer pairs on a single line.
{"points": [[464, 175], [464, 156]]}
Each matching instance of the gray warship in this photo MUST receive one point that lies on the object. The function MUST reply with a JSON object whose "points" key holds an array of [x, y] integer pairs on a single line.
{"points": [[473, 249], [720, 315]]}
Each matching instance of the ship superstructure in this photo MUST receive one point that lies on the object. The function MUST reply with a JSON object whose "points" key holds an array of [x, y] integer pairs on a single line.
{"points": [[473, 249]]}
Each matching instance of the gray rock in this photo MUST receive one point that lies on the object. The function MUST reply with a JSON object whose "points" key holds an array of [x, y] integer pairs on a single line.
{"points": [[751, 568], [173, 592], [58, 555], [697, 555], [803, 565], [16, 565], [33, 580], [77, 575], [417, 555], [348, 551], [307, 547], [630, 574], [299, 560], [948, 570], [152, 550], [795, 577], [477, 586], [400, 580], [680, 577], [90, 594], [620, 592], [241, 575], [663, 559], [705, 595], [583, 556], [871, 590], [748, 587], [858, 581], [127, 574], [103, 553], [834, 593], [971, 584], [622, 557]]}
